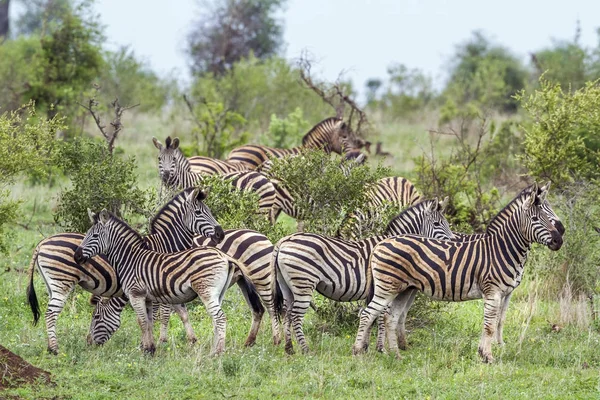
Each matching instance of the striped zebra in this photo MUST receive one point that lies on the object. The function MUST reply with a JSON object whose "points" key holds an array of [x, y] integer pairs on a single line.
{"points": [[401, 312], [53, 257], [330, 135], [338, 269], [247, 246], [488, 267], [147, 276], [176, 171], [393, 191]]}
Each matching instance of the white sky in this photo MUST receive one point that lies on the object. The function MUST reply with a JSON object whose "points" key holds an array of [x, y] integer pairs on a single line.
{"points": [[361, 37]]}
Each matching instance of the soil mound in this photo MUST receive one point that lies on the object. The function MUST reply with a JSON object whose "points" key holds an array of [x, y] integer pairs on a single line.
{"points": [[14, 371]]}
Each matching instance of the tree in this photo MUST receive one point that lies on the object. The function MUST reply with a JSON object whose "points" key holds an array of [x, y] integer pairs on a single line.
{"points": [[4, 22], [39, 13], [232, 30], [485, 73]]}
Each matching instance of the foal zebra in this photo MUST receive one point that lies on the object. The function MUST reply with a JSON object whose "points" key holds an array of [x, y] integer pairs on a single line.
{"points": [[338, 269], [488, 267], [188, 216], [331, 135], [393, 191], [177, 171], [251, 248], [147, 276]]}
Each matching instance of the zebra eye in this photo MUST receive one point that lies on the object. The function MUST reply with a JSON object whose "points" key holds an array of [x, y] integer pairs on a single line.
{"points": [[535, 218], [437, 224], [94, 235]]}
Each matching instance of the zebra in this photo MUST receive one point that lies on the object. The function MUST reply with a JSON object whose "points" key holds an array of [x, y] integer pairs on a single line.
{"points": [[488, 267], [177, 171], [395, 191], [147, 276], [247, 246], [53, 257], [400, 317], [331, 135], [337, 268]]}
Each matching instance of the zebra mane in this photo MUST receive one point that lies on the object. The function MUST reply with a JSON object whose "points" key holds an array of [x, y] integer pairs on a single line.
{"points": [[169, 205], [403, 213], [325, 125], [124, 226], [499, 220]]}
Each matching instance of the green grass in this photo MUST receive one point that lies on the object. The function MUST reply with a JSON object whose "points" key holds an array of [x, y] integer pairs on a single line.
{"points": [[441, 362]]}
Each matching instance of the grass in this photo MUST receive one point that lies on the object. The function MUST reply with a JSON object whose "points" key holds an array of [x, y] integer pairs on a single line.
{"points": [[441, 362]]}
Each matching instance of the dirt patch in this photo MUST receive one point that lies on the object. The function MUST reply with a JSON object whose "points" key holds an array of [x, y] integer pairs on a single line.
{"points": [[14, 371]]}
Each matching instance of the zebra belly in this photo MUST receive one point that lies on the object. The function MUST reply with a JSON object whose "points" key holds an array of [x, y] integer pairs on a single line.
{"points": [[341, 292], [180, 297]]}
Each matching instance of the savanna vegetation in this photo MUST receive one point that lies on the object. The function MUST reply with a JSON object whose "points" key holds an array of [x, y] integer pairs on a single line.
{"points": [[76, 128]]}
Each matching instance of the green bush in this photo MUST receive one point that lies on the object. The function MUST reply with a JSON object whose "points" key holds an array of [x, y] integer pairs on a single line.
{"points": [[561, 144], [17, 69], [26, 146], [322, 191], [99, 180], [286, 132]]}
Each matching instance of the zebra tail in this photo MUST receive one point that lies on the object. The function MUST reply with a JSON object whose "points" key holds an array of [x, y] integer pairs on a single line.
{"points": [[253, 296], [277, 294], [31, 296]]}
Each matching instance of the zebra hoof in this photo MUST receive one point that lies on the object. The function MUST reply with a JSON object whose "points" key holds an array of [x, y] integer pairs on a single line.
{"points": [[150, 349], [289, 349], [52, 351]]}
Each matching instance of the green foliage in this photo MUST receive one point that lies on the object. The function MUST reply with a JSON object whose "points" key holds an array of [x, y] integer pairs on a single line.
{"points": [[232, 30], [238, 209], [68, 60], [25, 148], [485, 74], [258, 89], [16, 70], [40, 13], [576, 264], [217, 130], [322, 190], [286, 132], [132, 81], [99, 181], [561, 144]]}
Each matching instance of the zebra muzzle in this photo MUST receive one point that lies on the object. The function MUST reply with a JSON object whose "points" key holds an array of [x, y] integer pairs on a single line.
{"points": [[555, 241], [79, 257], [219, 235]]}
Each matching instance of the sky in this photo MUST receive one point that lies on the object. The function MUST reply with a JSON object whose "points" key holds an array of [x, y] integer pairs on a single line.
{"points": [[360, 37]]}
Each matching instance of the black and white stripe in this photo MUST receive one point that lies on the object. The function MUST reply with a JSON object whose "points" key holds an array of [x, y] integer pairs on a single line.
{"points": [[330, 135], [488, 267], [337, 268], [53, 257], [176, 171]]}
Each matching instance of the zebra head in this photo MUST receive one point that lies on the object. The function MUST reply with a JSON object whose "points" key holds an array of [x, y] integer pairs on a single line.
{"points": [[96, 239], [535, 223], [171, 161], [550, 212], [198, 217], [106, 318], [435, 225]]}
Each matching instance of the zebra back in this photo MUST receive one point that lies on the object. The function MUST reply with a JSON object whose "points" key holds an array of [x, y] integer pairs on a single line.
{"points": [[212, 166]]}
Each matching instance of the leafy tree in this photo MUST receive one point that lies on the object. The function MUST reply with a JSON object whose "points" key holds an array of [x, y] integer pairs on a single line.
{"points": [[485, 73], [17, 69], [286, 132], [561, 144], [25, 148], [232, 30], [4, 21]]}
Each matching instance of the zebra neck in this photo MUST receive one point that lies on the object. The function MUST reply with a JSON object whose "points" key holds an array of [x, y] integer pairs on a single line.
{"points": [[509, 244], [408, 222], [125, 244], [169, 236]]}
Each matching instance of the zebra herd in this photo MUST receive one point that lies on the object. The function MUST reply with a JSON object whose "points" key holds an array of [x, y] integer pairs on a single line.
{"points": [[187, 254]]}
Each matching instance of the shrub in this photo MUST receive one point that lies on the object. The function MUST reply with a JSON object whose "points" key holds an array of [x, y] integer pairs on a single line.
{"points": [[561, 144], [25, 148], [99, 181], [286, 132]]}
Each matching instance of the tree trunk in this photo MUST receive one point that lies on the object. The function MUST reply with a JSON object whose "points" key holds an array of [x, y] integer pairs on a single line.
{"points": [[4, 18]]}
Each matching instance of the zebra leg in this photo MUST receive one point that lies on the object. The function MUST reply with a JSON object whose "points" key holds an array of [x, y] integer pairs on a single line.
{"points": [[502, 318], [182, 311], [381, 321], [288, 299], [391, 321], [163, 314], [406, 302], [141, 311], [257, 315], [55, 306], [266, 295], [491, 310], [368, 316], [298, 310], [212, 304]]}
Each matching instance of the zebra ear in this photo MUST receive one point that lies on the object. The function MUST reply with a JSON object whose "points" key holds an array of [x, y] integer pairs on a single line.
{"points": [[203, 193], [104, 216], [530, 201], [92, 216], [546, 187], [157, 144], [433, 205], [175, 143], [444, 204]]}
